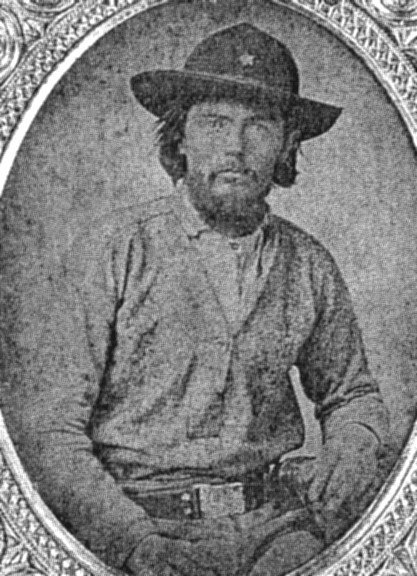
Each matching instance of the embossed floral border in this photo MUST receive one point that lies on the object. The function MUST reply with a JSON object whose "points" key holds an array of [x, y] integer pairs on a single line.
{"points": [[39, 41]]}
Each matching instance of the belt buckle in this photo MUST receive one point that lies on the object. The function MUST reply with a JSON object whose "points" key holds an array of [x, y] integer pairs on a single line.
{"points": [[217, 500]]}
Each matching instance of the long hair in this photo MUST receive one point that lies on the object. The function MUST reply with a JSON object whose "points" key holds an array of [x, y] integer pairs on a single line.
{"points": [[170, 133]]}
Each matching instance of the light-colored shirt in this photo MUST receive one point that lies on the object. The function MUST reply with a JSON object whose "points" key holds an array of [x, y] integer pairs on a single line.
{"points": [[137, 367]]}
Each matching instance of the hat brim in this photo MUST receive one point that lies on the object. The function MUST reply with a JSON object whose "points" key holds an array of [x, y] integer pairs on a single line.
{"points": [[160, 90]]}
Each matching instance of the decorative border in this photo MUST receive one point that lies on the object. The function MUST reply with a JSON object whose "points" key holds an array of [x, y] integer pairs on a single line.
{"points": [[39, 41]]}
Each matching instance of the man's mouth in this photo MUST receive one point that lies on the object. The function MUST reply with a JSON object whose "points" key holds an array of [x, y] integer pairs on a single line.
{"points": [[235, 176]]}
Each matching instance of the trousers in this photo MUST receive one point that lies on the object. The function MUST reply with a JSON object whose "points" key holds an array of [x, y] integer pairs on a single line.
{"points": [[262, 542]]}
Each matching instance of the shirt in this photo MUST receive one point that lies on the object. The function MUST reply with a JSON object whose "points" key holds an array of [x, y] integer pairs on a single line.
{"points": [[137, 361]]}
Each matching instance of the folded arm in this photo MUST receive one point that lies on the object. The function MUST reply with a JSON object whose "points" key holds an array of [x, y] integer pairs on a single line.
{"points": [[67, 372], [354, 421]]}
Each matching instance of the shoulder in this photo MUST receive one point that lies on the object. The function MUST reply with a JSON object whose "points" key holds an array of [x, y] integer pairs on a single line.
{"points": [[128, 220], [118, 235], [305, 251], [292, 236], [124, 224]]}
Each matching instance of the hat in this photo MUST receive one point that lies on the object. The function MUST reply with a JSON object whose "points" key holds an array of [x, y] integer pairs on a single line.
{"points": [[239, 63]]}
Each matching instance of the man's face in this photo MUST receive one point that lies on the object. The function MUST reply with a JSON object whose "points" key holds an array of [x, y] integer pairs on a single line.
{"points": [[231, 152]]}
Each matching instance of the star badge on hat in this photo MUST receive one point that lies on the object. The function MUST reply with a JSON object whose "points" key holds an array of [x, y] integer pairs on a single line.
{"points": [[247, 59]]}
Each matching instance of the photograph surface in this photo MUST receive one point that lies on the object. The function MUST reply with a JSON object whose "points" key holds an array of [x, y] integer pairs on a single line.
{"points": [[208, 325]]}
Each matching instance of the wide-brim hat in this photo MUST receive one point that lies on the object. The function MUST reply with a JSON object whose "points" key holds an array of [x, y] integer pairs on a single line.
{"points": [[240, 63]]}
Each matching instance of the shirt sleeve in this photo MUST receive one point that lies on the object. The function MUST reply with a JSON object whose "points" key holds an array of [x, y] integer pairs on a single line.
{"points": [[332, 363], [70, 364]]}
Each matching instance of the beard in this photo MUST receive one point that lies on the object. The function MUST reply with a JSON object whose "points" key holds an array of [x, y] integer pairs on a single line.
{"points": [[224, 202]]}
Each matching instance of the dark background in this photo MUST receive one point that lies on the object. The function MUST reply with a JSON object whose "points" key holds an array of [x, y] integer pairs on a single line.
{"points": [[91, 149]]}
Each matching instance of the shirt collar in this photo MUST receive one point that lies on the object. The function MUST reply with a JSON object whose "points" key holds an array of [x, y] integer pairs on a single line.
{"points": [[190, 219]]}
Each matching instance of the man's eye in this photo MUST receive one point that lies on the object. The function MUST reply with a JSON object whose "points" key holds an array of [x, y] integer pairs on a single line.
{"points": [[217, 123], [261, 127]]}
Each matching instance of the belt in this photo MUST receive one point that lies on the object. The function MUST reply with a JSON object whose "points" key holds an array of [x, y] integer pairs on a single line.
{"points": [[187, 499], [199, 500]]}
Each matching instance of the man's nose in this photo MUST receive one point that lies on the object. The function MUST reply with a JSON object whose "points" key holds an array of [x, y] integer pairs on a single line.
{"points": [[235, 141]]}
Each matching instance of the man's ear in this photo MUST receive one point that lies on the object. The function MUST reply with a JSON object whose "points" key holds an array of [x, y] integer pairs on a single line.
{"points": [[285, 171], [182, 146], [292, 144]]}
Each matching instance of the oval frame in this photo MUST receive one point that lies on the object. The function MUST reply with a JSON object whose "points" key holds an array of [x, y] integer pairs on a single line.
{"points": [[43, 38]]}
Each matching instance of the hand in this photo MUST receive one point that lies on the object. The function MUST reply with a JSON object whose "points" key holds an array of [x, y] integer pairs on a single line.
{"points": [[346, 479], [159, 556]]}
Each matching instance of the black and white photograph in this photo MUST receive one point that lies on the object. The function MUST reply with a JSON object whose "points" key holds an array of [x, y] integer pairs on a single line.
{"points": [[207, 305]]}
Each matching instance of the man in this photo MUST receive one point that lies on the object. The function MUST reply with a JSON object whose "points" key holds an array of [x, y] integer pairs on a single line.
{"points": [[163, 404]]}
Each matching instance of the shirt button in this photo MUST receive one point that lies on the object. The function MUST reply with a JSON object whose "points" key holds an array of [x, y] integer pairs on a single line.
{"points": [[234, 244], [188, 511]]}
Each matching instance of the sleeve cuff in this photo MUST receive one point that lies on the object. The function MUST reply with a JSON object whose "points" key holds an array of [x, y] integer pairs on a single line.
{"points": [[122, 546], [367, 412]]}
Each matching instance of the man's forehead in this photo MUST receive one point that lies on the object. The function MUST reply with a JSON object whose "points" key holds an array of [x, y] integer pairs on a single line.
{"points": [[234, 109]]}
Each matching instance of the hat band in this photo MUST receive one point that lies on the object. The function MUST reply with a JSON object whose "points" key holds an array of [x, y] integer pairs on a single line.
{"points": [[244, 81]]}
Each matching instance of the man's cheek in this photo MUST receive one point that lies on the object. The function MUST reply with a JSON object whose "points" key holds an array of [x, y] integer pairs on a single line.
{"points": [[261, 159]]}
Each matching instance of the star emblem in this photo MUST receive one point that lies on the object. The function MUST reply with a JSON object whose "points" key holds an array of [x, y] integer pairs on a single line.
{"points": [[247, 59]]}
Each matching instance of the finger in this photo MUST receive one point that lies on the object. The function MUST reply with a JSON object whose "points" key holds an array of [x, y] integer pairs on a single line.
{"points": [[341, 483], [346, 497], [332, 498], [349, 483], [345, 490], [324, 471], [318, 485]]}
